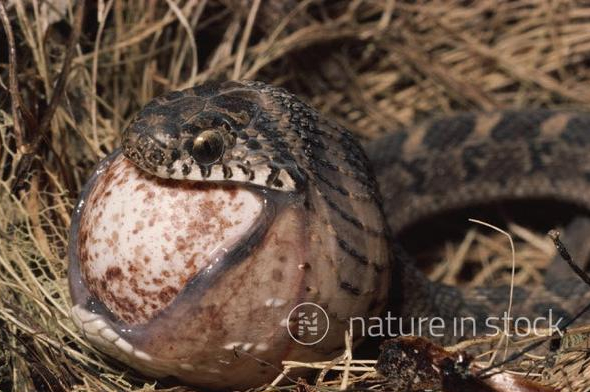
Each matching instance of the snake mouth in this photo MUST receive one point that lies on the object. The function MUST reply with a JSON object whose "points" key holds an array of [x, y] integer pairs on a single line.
{"points": [[298, 222]]}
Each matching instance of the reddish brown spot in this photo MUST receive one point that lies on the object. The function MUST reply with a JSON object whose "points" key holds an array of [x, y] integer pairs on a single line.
{"points": [[190, 263], [146, 259], [137, 251], [149, 196], [232, 192], [139, 225], [130, 309], [181, 244], [107, 179], [167, 294], [113, 273], [121, 181]]}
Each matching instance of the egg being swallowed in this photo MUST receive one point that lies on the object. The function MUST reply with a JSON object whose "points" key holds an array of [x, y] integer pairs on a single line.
{"points": [[191, 246]]}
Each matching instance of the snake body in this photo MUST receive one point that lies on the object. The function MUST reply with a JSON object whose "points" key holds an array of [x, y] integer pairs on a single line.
{"points": [[258, 136]]}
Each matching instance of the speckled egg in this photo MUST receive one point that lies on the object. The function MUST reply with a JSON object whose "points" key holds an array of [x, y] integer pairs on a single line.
{"points": [[197, 280]]}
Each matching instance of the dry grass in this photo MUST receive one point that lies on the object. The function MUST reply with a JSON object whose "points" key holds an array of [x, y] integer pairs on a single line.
{"points": [[372, 65]]}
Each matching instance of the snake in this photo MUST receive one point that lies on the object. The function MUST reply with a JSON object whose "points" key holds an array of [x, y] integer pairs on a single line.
{"points": [[327, 212]]}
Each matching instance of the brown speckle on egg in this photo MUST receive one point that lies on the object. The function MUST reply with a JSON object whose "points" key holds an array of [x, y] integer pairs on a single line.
{"points": [[136, 254]]}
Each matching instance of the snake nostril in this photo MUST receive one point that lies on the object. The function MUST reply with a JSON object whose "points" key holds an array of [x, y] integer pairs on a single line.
{"points": [[155, 157]]}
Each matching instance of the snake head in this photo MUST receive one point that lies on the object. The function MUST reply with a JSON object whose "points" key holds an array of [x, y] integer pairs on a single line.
{"points": [[215, 132]]}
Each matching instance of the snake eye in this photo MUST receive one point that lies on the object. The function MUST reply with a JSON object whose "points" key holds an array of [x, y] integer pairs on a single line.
{"points": [[208, 147]]}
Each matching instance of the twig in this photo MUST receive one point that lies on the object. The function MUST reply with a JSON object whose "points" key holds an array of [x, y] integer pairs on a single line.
{"points": [[13, 82], [25, 163], [191, 38], [102, 17], [484, 372], [347, 360], [513, 252], [554, 235], [244, 40]]}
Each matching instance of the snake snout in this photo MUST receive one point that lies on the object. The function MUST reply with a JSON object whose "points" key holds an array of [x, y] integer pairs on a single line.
{"points": [[147, 153]]}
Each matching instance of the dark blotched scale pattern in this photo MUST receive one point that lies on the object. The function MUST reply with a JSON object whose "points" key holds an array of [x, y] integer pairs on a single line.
{"points": [[466, 160]]}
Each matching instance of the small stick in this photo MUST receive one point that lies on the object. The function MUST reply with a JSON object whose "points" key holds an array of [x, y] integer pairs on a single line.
{"points": [[13, 82], [25, 163], [554, 235], [532, 346]]}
